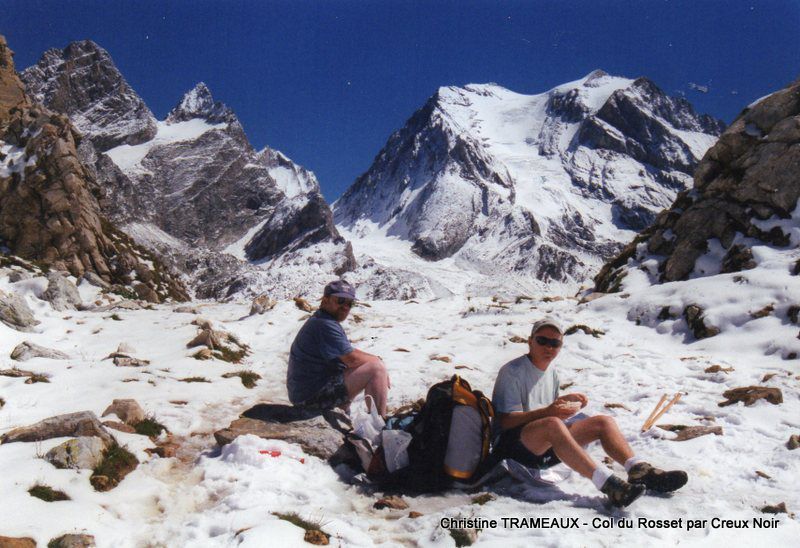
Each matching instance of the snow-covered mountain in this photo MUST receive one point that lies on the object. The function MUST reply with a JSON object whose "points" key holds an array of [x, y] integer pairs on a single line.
{"points": [[194, 189], [527, 189]]}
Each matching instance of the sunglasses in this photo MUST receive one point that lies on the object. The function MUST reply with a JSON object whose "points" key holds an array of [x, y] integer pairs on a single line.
{"points": [[342, 301], [547, 341]]}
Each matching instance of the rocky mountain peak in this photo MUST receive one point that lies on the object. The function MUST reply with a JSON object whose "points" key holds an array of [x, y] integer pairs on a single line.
{"points": [[83, 82], [199, 103], [48, 207], [12, 92], [745, 194]]}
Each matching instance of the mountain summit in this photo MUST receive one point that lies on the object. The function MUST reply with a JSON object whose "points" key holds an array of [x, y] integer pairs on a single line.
{"points": [[83, 82], [198, 103], [532, 188]]}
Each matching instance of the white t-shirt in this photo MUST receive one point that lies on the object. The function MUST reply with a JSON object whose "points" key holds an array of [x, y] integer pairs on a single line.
{"points": [[521, 386]]}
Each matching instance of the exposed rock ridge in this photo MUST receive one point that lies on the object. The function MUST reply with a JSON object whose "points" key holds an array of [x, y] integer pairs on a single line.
{"points": [[744, 187], [47, 210]]}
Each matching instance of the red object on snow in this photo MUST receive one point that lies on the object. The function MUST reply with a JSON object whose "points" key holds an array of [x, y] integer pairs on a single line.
{"points": [[278, 454]]}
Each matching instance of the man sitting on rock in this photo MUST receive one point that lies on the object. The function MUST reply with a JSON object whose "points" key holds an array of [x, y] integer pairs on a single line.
{"points": [[325, 371], [530, 427]]}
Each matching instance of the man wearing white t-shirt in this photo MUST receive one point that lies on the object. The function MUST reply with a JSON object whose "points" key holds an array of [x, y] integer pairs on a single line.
{"points": [[530, 428]]}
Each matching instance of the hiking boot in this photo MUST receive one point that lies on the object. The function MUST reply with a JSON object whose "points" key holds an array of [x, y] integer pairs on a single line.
{"points": [[656, 479], [620, 492]]}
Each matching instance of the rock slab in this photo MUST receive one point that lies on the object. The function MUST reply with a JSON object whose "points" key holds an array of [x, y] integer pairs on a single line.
{"points": [[319, 433], [78, 453], [15, 313], [26, 350], [82, 423]]}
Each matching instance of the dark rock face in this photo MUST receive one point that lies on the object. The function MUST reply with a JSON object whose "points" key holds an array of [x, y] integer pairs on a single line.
{"points": [[82, 82], [295, 227], [750, 175], [197, 188], [48, 212]]}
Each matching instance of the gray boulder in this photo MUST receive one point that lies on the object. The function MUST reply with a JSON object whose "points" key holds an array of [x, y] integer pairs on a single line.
{"points": [[19, 275], [319, 433], [24, 351], [72, 541], [93, 279], [129, 411], [61, 293], [85, 452], [15, 313], [82, 423]]}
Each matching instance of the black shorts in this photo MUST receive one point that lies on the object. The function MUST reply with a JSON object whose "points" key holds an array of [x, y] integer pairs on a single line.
{"points": [[332, 394], [509, 446]]}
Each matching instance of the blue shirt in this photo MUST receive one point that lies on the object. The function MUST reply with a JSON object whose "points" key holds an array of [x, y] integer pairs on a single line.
{"points": [[314, 356]]}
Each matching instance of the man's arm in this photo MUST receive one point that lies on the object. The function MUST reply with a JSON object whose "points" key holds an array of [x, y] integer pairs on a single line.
{"points": [[555, 409], [357, 358]]}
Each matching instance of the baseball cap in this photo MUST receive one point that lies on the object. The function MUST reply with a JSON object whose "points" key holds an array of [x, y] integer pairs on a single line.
{"points": [[546, 322], [340, 288]]}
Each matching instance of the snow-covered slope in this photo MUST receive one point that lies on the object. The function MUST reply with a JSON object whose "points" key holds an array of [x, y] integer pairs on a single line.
{"points": [[531, 189], [207, 497]]}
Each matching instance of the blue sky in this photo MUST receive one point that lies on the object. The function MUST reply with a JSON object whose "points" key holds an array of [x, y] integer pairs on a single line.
{"points": [[327, 81]]}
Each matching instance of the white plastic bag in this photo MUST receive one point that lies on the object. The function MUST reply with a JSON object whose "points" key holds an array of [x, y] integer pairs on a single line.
{"points": [[395, 449], [368, 424]]}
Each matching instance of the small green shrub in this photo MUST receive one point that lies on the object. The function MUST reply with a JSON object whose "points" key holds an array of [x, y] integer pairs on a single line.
{"points": [[116, 464], [116, 317], [149, 427], [194, 379], [229, 354], [249, 378], [482, 499], [295, 519], [47, 493], [462, 537]]}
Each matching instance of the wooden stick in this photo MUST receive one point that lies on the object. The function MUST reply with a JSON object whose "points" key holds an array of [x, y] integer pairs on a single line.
{"points": [[666, 408], [653, 412]]}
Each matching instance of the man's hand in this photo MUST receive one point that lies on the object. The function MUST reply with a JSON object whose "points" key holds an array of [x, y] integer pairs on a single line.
{"points": [[561, 409], [584, 401]]}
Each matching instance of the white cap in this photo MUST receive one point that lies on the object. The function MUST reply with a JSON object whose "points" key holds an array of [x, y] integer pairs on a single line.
{"points": [[546, 322]]}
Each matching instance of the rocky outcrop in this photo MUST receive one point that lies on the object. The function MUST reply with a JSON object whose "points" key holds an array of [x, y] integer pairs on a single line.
{"points": [[129, 411], [82, 82], [192, 188], [48, 211], [319, 433], [85, 453], [83, 423], [745, 186], [27, 350], [15, 312], [61, 293]]}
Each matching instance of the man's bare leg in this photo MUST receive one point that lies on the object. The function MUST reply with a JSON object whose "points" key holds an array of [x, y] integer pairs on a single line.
{"points": [[540, 435], [371, 378], [605, 429]]}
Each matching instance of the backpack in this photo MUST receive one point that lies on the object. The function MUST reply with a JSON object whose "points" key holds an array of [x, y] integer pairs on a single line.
{"points": [[450, 437]]}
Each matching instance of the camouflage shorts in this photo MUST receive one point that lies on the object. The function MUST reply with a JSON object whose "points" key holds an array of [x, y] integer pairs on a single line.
{"points": [[333, 394]]}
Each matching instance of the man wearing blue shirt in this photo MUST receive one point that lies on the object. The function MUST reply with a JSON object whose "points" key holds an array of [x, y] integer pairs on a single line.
{"points": [[325, 371]]}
